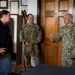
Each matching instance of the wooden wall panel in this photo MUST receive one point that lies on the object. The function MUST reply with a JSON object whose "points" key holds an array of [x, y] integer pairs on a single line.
{"points": [[63, 5], [61, 22], [49, 26], [49, 6], [49, 0]]}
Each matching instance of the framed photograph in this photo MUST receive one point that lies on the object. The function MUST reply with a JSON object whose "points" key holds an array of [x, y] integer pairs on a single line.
{"points": [[23, 7], [3, 4], [24, 2], [14, 7]]}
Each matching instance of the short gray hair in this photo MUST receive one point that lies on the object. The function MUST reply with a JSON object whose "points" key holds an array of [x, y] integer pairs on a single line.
{"points": [[69, 15]]}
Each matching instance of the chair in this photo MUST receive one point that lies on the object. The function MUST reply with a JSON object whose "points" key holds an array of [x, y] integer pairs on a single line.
{"points": [[5, 67]]}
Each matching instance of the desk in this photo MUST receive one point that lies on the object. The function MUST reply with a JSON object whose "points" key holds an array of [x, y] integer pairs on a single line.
{"points": [[44, 69]]}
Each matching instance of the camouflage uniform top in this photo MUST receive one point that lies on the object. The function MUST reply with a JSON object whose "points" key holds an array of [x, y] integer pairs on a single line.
{"points": [[67, 35], [30, 33]]}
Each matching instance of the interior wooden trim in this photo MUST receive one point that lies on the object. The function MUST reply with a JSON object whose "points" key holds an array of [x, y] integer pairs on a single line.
{"points": [[74, 11], [38, 11]]}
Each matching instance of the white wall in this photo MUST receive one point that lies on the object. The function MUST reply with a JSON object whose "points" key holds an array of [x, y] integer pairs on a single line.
{"points": [[32, 8]]}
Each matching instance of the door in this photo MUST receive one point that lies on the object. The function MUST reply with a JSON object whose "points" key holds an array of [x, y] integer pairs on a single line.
{"points": [[52, 12]]}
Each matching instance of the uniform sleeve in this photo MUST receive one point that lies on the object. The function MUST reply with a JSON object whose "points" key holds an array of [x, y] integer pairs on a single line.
{"points": [[58, 37], [38, 35], [21, 35]]}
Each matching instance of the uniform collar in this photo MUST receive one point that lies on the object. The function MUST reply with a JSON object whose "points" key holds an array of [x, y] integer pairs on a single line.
{"points": [[70, 26]]}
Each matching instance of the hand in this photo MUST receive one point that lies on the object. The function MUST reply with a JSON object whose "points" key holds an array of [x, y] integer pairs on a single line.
{"points": [[32, 42], [50, 37], [2, 50], [28, 44]]}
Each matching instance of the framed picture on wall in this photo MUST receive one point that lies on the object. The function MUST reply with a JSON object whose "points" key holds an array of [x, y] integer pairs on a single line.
{"points": [[14, 7], [24, 2], [3, 4]]}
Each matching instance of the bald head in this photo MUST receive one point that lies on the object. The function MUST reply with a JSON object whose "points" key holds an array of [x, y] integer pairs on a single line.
{"points": [[68, 17]]}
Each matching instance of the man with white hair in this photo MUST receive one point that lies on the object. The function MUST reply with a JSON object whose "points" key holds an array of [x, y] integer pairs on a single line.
{"points": [[66, 34]]}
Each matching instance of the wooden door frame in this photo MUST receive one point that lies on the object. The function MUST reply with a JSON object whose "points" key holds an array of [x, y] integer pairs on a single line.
{"points": [[38, 11], [74, 11]]}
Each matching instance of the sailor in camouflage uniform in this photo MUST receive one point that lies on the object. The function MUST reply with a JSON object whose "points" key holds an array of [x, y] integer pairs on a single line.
{"points": [[30, 35], [67, 35]]}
